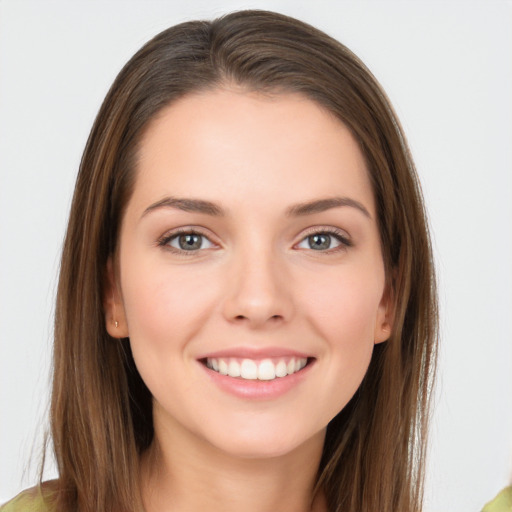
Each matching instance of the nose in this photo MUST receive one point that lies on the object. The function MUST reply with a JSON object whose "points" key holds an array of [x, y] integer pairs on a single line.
{"points": [[259, 291]]}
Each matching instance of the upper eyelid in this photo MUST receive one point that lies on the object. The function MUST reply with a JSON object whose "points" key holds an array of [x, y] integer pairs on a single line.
{"points": [[173, 233], [342, 233], [325, 229], [198, 230]]}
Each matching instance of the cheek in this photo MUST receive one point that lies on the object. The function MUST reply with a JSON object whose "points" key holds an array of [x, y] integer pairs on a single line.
{"points": [[344, 309], [343, 304], [164, 305]]}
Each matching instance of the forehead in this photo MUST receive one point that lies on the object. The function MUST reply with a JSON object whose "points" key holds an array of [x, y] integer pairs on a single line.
{"points": [[245, 146]]}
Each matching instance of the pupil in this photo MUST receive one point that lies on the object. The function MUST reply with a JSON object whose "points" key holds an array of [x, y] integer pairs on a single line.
{"points": [[188, 242], [320, 241]]}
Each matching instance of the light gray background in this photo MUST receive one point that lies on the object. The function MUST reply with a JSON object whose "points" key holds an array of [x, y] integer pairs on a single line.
{"points": [[447, 67]]}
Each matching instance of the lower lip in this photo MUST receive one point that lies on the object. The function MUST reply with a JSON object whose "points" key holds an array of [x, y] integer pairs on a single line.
{"points": [[258, 389]]}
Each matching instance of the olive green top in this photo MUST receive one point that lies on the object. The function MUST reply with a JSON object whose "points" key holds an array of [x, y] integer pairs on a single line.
{"points": [[502, 502], [32, 500]]}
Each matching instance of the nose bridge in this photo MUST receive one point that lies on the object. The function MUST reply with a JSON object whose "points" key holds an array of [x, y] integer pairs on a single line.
{"points": [[257, 286]]}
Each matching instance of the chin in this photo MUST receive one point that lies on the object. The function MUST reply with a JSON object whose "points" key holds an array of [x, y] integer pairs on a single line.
{"points": [[266, 442]]}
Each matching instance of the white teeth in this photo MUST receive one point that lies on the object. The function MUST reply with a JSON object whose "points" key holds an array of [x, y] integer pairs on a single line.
{"points": [[301, 362], [223, 367], [248, 370], [233, 369], [281, 370], [266, 369]]}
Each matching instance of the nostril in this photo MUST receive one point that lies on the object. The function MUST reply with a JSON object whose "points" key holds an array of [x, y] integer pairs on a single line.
{"points": [[258, 318]]}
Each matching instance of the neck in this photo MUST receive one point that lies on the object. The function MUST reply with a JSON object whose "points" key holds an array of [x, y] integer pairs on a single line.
{"points": [[193, 475]]}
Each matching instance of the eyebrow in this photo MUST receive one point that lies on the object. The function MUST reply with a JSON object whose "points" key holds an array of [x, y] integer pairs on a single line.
{"points": [[321, 205], [187, 205], [298, 210]]}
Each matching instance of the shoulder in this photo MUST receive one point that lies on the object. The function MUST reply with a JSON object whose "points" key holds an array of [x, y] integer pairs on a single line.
{"points": [[502, 502], [36, 499]]}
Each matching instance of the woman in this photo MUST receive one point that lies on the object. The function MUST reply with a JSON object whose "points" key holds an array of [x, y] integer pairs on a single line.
{"points": [[246, 313]]}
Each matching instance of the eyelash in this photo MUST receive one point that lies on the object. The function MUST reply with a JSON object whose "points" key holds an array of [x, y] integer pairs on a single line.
{"points": [[168, 237], [337, 234]]}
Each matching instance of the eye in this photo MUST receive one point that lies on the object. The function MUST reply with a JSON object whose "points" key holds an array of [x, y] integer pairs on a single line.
{"points": [[325, 241], [188, 241]]}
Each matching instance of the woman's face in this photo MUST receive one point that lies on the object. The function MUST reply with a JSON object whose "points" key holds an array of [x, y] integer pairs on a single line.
{"points": [[249, 249]]}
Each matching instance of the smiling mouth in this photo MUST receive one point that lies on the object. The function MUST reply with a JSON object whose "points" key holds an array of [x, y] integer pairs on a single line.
{"points": [[251, 369]]}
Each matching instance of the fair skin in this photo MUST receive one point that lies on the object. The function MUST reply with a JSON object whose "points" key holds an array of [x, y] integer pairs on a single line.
{"points": [[255, 281]]}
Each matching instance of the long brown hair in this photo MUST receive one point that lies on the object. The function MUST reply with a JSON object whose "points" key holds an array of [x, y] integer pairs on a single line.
{"points": [[101, 411]]}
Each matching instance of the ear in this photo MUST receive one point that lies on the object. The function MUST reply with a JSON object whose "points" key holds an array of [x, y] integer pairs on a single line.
{"points": [[385, 316], [115, 318]]}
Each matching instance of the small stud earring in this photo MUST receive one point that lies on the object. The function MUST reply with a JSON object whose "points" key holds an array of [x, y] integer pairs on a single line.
{"points": [[116, 323]]}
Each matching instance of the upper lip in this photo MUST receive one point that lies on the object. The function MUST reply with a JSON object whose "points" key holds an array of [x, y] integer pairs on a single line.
{"points": [[255, 353]]}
